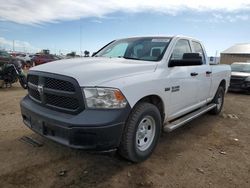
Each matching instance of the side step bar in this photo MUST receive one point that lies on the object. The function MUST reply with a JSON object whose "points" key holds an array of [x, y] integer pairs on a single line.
{"points": [[187, 118]]}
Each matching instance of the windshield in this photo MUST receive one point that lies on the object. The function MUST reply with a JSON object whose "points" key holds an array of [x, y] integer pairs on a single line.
{"points": [[240, 68], [146, 48]]}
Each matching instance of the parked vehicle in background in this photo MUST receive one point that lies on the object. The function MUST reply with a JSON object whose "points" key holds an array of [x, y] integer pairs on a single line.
{"points": [[11, 70], [16, 55], [39, 59], [61, 56], [124, 96], [5, 57], [26, 58], [240, 77]]}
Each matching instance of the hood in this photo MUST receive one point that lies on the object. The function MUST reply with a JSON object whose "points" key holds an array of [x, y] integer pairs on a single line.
{"points": [[97, 70], [243, 74]]}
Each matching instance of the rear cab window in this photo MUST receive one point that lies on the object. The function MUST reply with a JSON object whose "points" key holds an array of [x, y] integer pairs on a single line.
{"points": [[198, 49], [181, 47]]}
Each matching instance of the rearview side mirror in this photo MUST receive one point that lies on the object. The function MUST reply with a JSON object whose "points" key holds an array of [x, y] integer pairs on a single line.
{"points": [[188, 59]]}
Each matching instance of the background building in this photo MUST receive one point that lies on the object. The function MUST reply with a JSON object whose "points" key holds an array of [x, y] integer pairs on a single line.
{"points": [[236, 53]]}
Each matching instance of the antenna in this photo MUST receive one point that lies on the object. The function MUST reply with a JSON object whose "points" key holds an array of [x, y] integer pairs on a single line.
{"points": [[80, 38], [13, 46]]}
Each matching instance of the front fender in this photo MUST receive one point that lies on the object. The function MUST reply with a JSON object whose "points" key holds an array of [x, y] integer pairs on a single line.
{"points": [[137, 87]]}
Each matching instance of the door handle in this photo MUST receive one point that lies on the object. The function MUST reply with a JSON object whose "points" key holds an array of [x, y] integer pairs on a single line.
{"points": [[193, 73], [209, 72]]}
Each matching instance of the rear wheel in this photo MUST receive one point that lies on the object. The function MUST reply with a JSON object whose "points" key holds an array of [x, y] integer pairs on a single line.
{"points": [[218, 100], [141, 133]]}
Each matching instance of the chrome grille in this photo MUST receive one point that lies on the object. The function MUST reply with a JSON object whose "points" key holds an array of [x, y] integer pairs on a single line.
{"points": [[59, 92]]}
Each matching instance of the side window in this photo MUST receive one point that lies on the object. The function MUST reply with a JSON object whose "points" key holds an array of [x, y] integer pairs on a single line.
{"points": [[181, 47], [198, 49]]}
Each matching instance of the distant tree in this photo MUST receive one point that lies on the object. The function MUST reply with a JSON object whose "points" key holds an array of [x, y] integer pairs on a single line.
{"points": [[72, 54], [86, 53]]}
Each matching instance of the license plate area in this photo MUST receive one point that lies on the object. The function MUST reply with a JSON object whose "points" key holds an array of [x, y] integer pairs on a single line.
{"points": [[48, 131], [37, 125]]}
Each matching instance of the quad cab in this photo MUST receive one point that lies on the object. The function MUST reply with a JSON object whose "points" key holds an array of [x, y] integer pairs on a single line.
{"points": [[125, 95]]}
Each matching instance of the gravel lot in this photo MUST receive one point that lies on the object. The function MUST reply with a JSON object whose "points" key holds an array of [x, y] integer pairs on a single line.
{"points": [[211, 151]]}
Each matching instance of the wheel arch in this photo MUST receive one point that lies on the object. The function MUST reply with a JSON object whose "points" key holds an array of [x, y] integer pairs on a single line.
{"points": [[155, 100], [223, 84]]}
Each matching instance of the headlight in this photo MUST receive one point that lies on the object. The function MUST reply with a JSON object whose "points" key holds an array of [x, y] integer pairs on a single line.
{"points": [[108, 98], [247, 79]]}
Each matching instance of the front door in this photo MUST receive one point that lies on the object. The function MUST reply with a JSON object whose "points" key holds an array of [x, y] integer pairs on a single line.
{"points": [[184, 83]]}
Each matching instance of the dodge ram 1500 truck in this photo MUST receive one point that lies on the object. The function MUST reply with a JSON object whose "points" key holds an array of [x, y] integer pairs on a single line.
{"points": [[125, 95]]}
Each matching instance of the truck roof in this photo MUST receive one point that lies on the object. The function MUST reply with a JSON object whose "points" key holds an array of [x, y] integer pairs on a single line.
{"points": [[161, 36]]}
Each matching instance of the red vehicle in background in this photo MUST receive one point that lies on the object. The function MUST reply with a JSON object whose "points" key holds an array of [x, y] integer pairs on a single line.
{"points": [[39, 59]]}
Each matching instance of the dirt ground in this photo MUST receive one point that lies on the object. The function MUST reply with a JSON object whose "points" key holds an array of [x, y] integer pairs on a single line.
{"points": [[211, 151]]}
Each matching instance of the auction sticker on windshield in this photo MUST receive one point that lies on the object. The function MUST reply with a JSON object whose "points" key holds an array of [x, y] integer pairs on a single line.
{"points": [[160, 40]]}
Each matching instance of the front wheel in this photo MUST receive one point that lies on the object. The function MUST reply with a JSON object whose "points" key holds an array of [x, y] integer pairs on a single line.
{"points": [[141, 133], [218, 100]]}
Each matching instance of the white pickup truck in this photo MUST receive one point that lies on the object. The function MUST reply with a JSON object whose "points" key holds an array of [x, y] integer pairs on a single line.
{"points": [[125, 95]]}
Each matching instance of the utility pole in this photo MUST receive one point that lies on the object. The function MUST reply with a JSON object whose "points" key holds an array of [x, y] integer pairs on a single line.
{"points": [[215, 58], [13, 46], [80, 38]]}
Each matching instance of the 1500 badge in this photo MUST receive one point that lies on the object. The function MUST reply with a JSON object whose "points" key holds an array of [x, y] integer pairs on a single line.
{"points": [[175, 88]]}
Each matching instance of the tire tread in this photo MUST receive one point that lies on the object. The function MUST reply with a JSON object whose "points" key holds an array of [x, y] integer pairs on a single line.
{"points": [[128, 132]]}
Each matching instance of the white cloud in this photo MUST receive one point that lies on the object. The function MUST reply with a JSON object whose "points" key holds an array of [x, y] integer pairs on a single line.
{"points": [[19, 45], [42, 11], [96, 21], [219, 18]]}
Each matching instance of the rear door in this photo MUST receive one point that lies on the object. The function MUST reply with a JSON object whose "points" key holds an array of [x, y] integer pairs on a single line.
{"points": [[184, 87], [204, 74]]}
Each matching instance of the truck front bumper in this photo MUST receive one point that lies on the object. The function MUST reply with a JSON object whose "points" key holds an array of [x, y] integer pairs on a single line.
{"points": [[240, 87], [90, 129]]}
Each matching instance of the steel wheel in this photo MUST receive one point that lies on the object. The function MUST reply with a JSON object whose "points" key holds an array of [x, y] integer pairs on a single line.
{"points": [[145, 133], [219, 100]]}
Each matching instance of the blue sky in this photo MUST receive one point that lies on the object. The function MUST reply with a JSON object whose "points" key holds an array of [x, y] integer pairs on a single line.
{"points": [[218, 25]]}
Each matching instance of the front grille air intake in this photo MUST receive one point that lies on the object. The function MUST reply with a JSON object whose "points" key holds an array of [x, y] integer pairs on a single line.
{"points": [[56, 92]]}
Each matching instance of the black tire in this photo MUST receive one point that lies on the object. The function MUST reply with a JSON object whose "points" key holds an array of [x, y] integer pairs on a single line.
{"points": [[129, 148], [219, 95]]}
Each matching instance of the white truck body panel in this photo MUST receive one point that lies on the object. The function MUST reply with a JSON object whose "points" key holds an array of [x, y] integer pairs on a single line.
{"points": [[138, 79], [94, 71]]}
